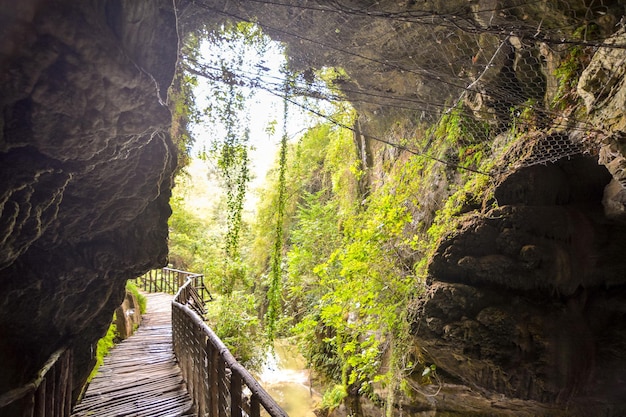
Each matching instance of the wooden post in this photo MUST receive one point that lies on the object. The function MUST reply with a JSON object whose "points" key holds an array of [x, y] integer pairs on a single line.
{"points": [[221, 388], [199, 369], [69, 383], [40, 399], [235, 394], [191, 381], [51, 388], [204, 371], [29, 405], [255, 406], [58, 386], [212, 371]]}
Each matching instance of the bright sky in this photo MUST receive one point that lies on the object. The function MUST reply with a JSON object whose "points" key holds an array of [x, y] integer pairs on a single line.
{"points": [[263, 109]]}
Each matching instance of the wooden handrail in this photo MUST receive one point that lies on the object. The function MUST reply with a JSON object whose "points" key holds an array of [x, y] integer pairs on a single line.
{"points": [[214, 378], [169, 280], [49, 394]]}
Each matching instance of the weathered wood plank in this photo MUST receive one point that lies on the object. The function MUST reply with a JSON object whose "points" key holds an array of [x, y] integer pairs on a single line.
{"points": [[140, 377]]}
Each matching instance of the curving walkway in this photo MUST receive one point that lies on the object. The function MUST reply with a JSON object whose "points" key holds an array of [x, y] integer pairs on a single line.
{"points": [[140, 376]]}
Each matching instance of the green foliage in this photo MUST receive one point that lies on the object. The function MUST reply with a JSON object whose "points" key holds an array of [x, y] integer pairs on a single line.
{"points": [[275, 279], [349, 277], [209, 242], [193, 241], [334, 397], [355, 262], [367, 285], [567, 75], [231, 272], [234, 319], [429, 373], [457, 127], [305, 173], [232, 162], [317, 221], [466, 143], [196, 232], [524, 118], [182, 102], [342, 164], [233, 47], [103, 347], [587, 31], [141, 299]]}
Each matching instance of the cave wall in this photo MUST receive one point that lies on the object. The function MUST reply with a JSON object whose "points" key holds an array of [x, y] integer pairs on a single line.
{"points": [[86, 166], [527, 298]]}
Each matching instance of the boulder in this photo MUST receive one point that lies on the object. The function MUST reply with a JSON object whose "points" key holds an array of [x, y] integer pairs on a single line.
{"points": [[127, 316]]}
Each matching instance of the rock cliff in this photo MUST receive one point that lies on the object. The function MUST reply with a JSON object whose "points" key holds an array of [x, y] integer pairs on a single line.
{"points": [[127, 316], [526, 299], [86, 167]]}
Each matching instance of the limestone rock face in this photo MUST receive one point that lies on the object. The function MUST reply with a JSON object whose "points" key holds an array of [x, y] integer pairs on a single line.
{"points": [[127, 316], [527, 299], [602, 86], [86, 166]]}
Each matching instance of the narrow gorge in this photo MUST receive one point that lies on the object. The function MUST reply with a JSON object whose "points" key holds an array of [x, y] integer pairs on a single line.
{"points": [[517, 107]]}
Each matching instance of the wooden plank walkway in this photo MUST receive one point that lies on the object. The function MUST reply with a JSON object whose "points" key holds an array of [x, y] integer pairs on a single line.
{"points": [[140, 376]]}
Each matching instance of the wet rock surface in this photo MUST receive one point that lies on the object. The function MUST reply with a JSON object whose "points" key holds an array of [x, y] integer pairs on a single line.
{"points": [[526, 300], [86, 167], [127, 316]]}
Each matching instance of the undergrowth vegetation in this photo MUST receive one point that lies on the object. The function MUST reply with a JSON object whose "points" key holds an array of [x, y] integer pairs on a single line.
{"points": [[103, 347], [354, 261]]}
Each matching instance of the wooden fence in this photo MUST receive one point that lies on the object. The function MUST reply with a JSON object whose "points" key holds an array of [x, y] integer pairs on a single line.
{"points": [[169, 280], [49, 394], [215, 380], [218, 384]]}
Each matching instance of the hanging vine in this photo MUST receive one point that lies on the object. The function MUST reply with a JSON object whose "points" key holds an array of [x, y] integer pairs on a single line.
{"points": [[275, 287], [234, 49], [233, 163]]}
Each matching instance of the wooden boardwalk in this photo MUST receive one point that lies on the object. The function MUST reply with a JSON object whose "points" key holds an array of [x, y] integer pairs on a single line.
{"points": [[140, 377]]}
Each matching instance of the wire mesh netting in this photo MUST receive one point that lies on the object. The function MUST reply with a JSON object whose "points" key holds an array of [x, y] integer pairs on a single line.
{"points": [[504, 67]]}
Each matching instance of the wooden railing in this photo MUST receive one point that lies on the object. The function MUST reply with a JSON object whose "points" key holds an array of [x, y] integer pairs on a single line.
{"points": [[215, 380], [169, 280], [49, 394], [218, 384]]}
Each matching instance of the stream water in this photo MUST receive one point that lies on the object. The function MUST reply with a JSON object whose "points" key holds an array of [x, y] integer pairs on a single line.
{"points": [[286, 379]]}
